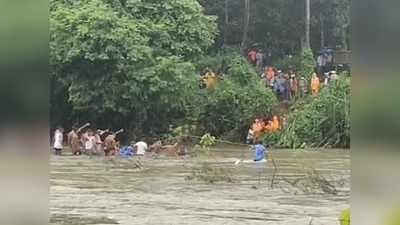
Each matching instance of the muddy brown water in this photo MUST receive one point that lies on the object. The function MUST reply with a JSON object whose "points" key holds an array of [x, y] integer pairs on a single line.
{"points": [[98, 190]]}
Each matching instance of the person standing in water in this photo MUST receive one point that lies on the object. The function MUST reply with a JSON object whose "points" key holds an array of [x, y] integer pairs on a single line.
{"points": [[90, 144], [259, 151], [140, 147], [58, 140]]}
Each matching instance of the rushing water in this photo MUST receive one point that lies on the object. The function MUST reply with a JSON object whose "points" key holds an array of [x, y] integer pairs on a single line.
{"points": [[97, 190]]}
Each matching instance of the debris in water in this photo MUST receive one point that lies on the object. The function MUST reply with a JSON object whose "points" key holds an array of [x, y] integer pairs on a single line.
{"points": [[211, 175]]}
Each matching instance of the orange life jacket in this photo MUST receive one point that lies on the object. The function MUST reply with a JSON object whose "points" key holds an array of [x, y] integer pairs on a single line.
{"points": [[275, 124], [315, 83], [270, 73]]}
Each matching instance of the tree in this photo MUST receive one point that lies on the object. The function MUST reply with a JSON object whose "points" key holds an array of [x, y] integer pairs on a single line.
{"points": [[307, 25], [128, 62], [246, 21], [278, 25], [226, 12]]}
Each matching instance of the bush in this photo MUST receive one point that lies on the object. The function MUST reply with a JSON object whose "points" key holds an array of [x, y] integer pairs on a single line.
{"points": [[345, 217], [318, 121], [307, 63], [241, 72], [228, 109], [287, 63], [231, 108], [219, 62], [126, 66], [204, 146]]}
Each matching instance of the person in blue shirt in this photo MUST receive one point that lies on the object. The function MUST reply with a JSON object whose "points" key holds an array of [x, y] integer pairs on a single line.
{"points": [[259, 151]]}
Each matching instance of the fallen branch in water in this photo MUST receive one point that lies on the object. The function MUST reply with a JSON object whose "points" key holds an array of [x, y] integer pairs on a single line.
{"points": [[211, 175], [275, 170], [311, 182]]}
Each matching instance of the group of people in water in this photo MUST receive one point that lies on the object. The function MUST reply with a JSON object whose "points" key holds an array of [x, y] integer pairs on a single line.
{"points": [[85, 141]]}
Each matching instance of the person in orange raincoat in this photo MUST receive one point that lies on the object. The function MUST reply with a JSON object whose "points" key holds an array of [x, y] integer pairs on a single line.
{"points": [[275, 124], [315, 84], [257, 128], [268, 126], [270, 73]]}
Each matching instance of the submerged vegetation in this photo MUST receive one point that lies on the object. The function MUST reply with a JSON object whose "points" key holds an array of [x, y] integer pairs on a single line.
{"points": [[211, 175]]}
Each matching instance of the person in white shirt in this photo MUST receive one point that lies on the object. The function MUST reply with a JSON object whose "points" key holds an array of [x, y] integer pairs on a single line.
{"points": [[58, 140], [334, 75], [90, 144], [140, 147], [99, 141]]}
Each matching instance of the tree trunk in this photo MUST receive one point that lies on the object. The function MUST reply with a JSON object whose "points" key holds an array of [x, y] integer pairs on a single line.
{"points": [[321, 19], [246, 24], [226, 21], [307, 23]]}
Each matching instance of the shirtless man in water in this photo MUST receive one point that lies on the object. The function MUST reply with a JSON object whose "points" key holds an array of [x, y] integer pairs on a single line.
{"points": [[110, 144], [74, 141], [100, 136]]}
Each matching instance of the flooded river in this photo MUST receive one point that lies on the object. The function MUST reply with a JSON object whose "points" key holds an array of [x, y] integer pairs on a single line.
{"points": [[156, 191]]}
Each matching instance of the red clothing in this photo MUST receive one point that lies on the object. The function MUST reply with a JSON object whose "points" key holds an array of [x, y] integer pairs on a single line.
{"points": [[252, 55]]}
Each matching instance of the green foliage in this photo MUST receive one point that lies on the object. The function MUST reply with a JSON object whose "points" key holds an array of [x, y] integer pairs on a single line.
{"points": [[241, 72], [345, 217], [307, 63], [286, 63], [181, 134], [175, 27], [135, 63], [204, 146], [272, 138], [218, 62], [235, 102], [278, 25], [240, 96], [129, 60], [319, 121], [207, 141]]}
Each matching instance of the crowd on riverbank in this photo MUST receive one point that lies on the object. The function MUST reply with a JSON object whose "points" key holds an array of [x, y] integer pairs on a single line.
{"points": [[288, 87]]}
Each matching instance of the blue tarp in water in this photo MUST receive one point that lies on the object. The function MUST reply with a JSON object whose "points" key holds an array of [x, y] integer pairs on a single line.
{"points": [[126, 151]]}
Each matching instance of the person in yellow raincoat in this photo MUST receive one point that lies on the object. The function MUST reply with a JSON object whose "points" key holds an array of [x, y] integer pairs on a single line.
{"points": [[210, 79], [315, 84]]}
